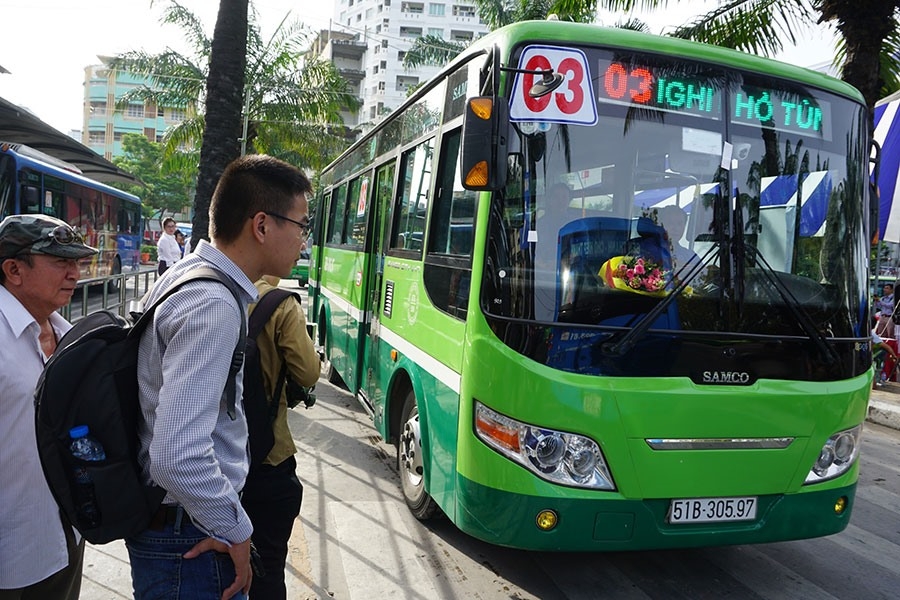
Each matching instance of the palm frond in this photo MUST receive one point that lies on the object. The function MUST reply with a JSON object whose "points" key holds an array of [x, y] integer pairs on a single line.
{"points": [[579, 11], [176, 14], [757, 26], [430, 50]]}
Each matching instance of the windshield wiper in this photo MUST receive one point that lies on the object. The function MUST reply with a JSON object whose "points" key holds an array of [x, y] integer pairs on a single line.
{"points": [[635, 333], [803, 318]]}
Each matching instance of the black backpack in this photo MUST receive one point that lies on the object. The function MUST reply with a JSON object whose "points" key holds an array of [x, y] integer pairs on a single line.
{"points": [[260, 408], [91, 379]]}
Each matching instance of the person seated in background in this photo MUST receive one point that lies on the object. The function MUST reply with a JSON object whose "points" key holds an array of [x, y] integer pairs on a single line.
{"points": [[674, 220], [885, 307], [888, 347]]}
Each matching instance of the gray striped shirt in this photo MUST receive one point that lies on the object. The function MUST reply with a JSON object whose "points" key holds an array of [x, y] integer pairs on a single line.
{"points": [[189, 445]]}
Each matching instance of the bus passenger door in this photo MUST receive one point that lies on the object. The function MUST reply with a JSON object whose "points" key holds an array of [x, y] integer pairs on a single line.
{"points": [[373, 381]]}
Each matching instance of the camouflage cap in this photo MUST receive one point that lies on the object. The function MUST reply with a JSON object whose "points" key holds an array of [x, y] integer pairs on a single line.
{"points": [[41, 234]]}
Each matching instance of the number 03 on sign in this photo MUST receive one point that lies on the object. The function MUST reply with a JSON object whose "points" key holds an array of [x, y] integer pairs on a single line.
{"points": [[712, 510]]}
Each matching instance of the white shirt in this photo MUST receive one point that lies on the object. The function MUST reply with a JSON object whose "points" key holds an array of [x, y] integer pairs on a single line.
{"points": [[167, 249], [32, 541]]}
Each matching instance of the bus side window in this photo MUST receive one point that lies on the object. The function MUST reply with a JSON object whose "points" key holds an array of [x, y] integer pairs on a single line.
{"points": [[357, 202], [411, 206], [31, 199], [338, 216], [448, 266]]}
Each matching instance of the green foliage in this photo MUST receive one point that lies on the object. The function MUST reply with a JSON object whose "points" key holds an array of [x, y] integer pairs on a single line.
{"points": [[867, 48], [293, 107], [166, 187], [149, 249]]}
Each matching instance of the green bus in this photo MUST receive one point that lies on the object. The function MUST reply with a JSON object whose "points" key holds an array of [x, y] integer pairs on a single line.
{"points": [[605, 291]]}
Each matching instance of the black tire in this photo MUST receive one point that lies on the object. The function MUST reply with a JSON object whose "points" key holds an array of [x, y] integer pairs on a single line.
{"points": [[333, 376], [409, 462]]}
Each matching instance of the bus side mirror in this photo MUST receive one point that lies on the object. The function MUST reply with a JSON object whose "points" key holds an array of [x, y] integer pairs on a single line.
{"points": [[485, 132]]}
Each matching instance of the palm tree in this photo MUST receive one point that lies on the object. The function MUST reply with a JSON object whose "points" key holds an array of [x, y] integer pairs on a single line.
{"points": [[869, 42], [292, 113], [224, 101]]}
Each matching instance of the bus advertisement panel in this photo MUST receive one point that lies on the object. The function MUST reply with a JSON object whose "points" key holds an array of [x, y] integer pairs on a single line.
{"points": [[608, 291], [108, 219]]}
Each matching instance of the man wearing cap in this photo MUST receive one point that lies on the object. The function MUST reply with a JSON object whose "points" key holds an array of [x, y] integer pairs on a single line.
{"points": [[39, 556]]}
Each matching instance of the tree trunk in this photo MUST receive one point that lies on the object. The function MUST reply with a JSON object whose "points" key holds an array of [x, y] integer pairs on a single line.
{"points": [[224, 103], [864, 25]]}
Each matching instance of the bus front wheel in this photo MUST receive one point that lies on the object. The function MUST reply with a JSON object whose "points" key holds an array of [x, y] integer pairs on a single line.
{"points": [[410, 463]]}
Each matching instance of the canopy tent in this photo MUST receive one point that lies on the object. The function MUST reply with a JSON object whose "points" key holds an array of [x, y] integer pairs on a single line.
{"points": [[18, 126], [887, 134]]}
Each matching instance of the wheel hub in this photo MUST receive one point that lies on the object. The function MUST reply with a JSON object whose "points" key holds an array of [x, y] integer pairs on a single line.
{"points": [[410, 451]]}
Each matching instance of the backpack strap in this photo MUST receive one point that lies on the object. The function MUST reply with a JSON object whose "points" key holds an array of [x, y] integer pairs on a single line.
{"points": [[258, 319], [237, 357]]}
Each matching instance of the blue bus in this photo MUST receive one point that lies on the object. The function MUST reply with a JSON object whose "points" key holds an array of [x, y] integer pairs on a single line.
{"points": [[109, 219]]}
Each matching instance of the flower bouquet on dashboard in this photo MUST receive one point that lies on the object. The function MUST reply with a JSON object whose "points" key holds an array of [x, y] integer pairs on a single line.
{"points": [[638, 274]]}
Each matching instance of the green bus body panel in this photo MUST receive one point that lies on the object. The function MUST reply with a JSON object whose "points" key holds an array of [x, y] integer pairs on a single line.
{"points": [[620, 414], [342, 283], [430, 347], [599, 524]]}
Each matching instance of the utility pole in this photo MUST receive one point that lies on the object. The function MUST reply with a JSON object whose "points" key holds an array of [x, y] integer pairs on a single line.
{"points": [[246, 121]]}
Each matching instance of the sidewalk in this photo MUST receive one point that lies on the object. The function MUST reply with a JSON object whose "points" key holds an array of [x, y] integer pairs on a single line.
{"points": [[884, 405]]}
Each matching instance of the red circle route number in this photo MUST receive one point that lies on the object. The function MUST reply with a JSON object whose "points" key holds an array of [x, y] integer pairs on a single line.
{"points": [[573, 73]]}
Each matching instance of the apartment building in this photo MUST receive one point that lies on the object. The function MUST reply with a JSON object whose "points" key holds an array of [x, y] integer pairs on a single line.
{"points": [[384, 30], [105, 122]]}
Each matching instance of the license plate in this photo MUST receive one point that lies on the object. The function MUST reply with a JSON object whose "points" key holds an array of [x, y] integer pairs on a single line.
{"points": [[712, 510]]}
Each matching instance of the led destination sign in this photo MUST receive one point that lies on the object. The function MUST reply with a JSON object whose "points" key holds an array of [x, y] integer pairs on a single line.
{"points": [[660, 89], [669, 89]]}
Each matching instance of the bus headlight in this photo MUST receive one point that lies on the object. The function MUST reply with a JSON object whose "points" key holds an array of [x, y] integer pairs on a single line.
{"points": [[836, 456], [557, 456]]}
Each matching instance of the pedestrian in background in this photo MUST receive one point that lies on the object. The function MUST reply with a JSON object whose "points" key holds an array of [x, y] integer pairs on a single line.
{"points": [[273, 493], [40, 555], [168, 251], [192, 443], [179, 237]]}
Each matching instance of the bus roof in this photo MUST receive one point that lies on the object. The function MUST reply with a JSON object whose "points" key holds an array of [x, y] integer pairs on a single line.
{"points": [[567, 33], [581, 33], [27, 156]]}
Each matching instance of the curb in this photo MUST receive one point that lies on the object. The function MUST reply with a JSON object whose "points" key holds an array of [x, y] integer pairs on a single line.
{"points": [[884, 405]]}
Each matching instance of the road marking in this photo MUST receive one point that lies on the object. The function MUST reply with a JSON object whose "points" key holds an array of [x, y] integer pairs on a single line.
{"points": [[870, 547], [879, 497], [379, 556], [764, 575]]}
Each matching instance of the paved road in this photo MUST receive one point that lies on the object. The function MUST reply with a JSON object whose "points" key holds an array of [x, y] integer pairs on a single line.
{"points": [[355, 540]]}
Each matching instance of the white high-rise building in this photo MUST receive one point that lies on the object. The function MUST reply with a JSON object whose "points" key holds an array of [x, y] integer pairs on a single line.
{"points": [[388, 29]]}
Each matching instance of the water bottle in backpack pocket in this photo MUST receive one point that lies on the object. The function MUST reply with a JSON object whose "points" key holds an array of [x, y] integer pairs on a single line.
{"points": [[85, 449]]}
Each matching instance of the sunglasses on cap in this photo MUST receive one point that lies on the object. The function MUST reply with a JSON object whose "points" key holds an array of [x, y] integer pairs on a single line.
{"points": [[61, 234]]}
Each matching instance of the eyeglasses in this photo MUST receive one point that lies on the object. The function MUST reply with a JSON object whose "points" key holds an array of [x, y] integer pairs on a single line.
{"points": [[304, 227]]}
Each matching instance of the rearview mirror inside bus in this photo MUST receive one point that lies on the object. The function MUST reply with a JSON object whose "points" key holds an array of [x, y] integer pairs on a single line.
{"points": [[485, 132]]}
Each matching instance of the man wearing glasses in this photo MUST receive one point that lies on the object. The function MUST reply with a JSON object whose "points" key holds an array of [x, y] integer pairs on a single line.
{"points": [[39, 556], [192, 444]]}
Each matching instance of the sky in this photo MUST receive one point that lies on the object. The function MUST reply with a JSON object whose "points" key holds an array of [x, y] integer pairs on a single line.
{"points": [[48, 43]]}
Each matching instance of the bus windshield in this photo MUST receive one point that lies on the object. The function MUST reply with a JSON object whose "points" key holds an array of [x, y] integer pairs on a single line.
{"points": [[728, 191]]}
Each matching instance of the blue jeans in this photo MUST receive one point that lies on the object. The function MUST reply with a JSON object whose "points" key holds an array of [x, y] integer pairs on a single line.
{"points": [[160, 572]]}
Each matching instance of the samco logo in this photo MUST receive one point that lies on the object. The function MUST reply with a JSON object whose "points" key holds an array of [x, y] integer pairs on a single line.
{"points": [[737, 377]]}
